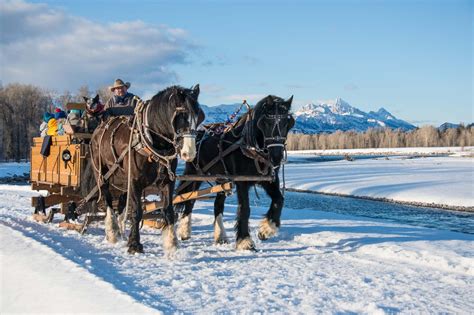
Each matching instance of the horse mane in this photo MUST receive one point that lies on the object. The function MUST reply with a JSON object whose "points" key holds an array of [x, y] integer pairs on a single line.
{"points": [[167, 104]]}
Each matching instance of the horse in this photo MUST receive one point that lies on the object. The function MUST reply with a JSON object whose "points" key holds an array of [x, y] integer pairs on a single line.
{"points": [[261, 135], [148, 143]]}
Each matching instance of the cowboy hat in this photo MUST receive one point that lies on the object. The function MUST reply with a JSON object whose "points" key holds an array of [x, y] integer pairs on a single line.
{"points": [[119, 83]]}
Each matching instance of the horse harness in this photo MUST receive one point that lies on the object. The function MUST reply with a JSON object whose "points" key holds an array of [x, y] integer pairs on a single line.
{"points": [[140, 141], [248, 146]]}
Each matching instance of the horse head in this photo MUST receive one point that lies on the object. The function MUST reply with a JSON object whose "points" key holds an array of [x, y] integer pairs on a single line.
{"points": [[272, 121], [178, 118]]}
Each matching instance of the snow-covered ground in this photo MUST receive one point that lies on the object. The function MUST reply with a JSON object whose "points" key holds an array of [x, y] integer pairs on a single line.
{"points": [[389, 151], [36, 279], [441, 181], [319, 263]]}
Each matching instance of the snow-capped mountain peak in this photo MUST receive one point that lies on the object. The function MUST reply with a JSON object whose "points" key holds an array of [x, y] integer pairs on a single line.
{"points": [[337, 114], [383, 113], [325, 116]]}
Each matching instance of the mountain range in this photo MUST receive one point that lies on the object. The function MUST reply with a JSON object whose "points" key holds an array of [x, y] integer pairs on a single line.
{"points": [[327, 116]]}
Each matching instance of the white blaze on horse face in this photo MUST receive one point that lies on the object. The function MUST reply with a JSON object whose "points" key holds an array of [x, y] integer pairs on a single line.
{"points": [[192, 122], [188, 152]]}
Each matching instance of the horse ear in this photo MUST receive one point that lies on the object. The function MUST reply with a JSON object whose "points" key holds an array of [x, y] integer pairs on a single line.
{"points": [[96, 98], [201, 116], [85, 99], [290, 100], [269, 100], [196, 90]]}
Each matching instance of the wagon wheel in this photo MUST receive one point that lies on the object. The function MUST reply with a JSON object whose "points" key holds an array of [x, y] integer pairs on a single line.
{"points": [[51, 213], [40, 211]]}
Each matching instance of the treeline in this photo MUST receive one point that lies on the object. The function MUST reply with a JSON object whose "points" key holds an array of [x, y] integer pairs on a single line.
{"points": [[22, 108], [427, 136], [21, 113]]}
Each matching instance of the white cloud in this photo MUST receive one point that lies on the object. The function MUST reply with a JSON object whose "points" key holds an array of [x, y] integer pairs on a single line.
{"points": [[50, 48]]}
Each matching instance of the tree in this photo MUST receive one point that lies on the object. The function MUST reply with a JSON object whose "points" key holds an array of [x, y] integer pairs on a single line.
{"points": [[21, 110]]}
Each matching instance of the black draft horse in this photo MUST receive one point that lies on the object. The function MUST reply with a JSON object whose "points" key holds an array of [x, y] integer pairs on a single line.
{"points": [[262, 129], [165, 127]]}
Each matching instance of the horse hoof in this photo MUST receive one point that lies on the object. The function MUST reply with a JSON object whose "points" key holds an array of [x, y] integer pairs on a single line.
{"points": [[184, 228], [170, 241], [267, 229], [262, 236], [221, 241], [134, 249], [245, 244]]}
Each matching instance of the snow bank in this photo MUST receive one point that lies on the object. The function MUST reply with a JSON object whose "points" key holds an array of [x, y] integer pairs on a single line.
{"points": [[388, 151], [445, 181], [319, 263]]}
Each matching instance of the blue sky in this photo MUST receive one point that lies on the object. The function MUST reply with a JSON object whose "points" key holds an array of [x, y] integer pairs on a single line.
{"points": [[412, 57]]}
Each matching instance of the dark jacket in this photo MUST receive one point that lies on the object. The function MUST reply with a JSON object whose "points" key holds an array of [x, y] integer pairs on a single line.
{"points": [[124, 101]]}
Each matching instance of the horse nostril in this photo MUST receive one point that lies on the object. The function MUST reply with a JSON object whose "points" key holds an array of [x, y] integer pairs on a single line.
{"points": [[185, 155]]}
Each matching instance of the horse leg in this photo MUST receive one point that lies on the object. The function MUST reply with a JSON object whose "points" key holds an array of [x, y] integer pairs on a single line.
{"points": [[112, 231], [271, 223], [170, 242], [219, 231], [184, 227], [122, 203], [244, 240], [135, 204]]}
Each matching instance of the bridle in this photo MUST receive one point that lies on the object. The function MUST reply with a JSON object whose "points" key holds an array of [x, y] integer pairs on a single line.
{"points": [[142, 111], [251, 147], [276, 139]]}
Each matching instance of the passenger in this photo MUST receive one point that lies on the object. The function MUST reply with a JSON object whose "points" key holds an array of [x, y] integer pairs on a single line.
{"points": [[52, 127], [60, 117], [74, 119], [123, 102], [44, 125]]}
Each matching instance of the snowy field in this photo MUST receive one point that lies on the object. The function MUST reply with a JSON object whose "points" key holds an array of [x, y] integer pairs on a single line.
{"points": [[390, 151], [435, 181], [319, 263]]}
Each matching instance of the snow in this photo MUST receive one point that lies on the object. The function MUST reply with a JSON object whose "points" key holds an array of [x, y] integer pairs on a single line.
{"points": [[387, 151], [319, 263], [332, 115], [447, 181], [36, 279]]}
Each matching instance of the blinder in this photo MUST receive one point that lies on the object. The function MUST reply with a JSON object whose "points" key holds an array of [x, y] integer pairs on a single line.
{"points": [[276, 139]]}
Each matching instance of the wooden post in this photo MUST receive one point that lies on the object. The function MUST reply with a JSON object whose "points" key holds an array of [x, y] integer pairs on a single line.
{"points": [[198, 194]]}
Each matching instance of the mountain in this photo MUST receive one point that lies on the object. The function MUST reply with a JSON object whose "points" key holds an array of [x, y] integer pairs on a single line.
{"points": [[337, 114], [447, 125], [327, 116], [220, 113]]}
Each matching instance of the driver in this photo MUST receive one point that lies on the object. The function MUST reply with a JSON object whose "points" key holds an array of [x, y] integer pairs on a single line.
{"points": [[121, 98]]}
